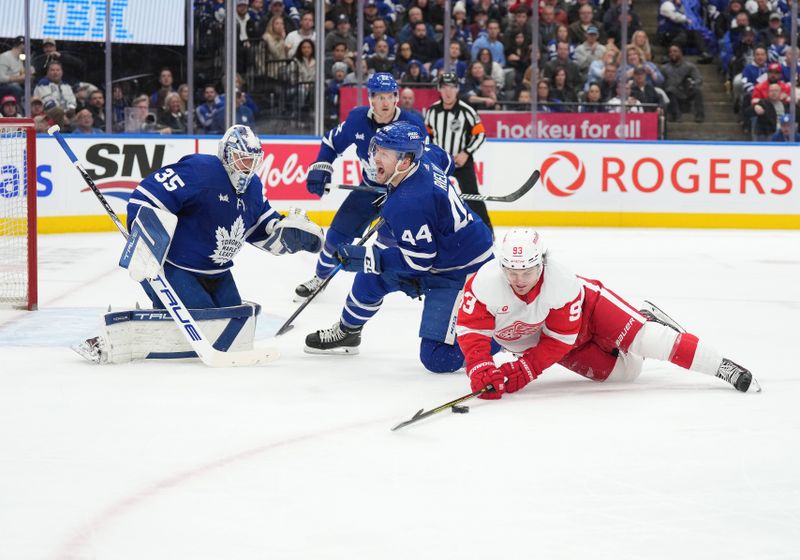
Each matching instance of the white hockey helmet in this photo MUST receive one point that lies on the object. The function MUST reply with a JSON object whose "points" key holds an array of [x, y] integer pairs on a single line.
{"points": [[241, 154], [521, 249]]}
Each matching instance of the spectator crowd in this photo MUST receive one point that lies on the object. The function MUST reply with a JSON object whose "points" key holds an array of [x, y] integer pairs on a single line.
{"points": [[582, 65]]}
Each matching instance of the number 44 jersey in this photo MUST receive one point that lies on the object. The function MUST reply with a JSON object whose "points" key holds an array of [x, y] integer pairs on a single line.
{"points": [[434, 231], [213, 222]]}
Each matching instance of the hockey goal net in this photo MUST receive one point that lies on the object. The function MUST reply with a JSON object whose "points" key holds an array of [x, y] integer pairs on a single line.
{"points": [[18, 213]]}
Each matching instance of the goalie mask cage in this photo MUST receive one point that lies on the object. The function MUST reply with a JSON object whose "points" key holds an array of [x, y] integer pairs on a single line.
{"points": [[18, 286]]}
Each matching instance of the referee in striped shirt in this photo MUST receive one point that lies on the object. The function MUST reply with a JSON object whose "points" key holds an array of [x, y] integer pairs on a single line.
{"points": [[456, 127]]}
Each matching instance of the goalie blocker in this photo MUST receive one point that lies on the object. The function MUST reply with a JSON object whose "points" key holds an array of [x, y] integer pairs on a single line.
{"points": [[138, 334]]}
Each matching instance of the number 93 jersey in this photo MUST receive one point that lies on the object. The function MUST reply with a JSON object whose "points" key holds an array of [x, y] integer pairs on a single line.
{"points": [[213, 222], [434, 230], [549, 317]]}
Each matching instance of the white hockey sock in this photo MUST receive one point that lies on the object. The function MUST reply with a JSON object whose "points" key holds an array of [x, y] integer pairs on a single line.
{"points": [[659, 342]]}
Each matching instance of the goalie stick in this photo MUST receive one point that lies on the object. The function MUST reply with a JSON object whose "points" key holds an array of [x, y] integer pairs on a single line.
{"points": [[423, 414], [169, 298], [511, 197], [288, 324]]}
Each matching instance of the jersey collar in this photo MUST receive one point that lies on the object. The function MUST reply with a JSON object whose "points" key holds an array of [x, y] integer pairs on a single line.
{"points": [[371, 116]]}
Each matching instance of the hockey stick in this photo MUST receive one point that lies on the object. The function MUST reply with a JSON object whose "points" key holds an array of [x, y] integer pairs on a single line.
{"points": [[422, 414], [169, 298], [511, 197], [288, 324]]}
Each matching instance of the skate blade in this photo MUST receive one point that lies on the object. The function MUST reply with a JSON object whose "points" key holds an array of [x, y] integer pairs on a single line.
{"points": [[341, 351], [754, 387], [84, 352], [298, 299], [659, 314]]}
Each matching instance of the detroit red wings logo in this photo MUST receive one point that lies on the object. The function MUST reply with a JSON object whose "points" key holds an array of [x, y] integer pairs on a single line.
{"points": [[517, 331]]}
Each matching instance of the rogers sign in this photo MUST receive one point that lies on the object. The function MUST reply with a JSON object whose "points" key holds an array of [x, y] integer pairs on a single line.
{"points": [[564, 174]]}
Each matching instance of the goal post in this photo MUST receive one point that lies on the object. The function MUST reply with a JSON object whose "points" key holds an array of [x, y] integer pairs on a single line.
{"points": [[18, 265]]}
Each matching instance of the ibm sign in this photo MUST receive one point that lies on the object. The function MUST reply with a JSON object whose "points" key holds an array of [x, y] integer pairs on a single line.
{"points": [[150, 22]]}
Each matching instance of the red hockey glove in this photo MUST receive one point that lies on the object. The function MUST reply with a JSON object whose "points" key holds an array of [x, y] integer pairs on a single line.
{"points": [[518, 374], [484, 374]]}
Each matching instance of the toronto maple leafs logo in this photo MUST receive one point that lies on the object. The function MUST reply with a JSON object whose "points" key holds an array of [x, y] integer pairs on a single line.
{"points": [[228, 242]]}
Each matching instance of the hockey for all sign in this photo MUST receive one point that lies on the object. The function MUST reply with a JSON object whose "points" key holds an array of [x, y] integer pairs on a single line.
{"points": [[570, 126]]}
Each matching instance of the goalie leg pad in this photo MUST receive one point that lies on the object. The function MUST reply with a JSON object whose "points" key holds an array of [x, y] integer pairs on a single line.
{"points": [[197, 291], [148, 243], [151, 333]]}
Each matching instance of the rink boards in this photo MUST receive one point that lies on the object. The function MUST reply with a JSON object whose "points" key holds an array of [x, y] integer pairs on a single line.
{"points": [[617, 184]]}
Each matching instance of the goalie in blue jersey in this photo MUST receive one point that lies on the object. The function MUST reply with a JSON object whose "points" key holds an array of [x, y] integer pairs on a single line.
{"points": [[428, 246], [187, 221], [359, 208]]}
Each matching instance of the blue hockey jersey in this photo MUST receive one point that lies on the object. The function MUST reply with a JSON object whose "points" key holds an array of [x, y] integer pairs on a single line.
{"points": [[358, 129], [213, 222], [434, 231]]}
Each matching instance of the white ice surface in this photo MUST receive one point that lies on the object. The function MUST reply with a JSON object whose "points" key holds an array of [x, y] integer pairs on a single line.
{"points": [[295, 460]]}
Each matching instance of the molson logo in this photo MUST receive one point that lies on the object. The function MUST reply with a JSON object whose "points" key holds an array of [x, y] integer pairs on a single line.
{"points": [[284, 170], [567, 177]]}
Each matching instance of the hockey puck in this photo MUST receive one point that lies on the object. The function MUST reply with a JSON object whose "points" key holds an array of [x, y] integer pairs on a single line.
{"points": [[460, 409]]}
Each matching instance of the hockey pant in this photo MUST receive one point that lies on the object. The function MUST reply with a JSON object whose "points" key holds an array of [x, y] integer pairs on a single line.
{"points": [[351, 220], [438, 350], [615, 339], [198, 291]]}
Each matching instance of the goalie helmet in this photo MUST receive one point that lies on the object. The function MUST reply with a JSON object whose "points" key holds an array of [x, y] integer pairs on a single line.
{"points": [[521, 249], [241, 154]]}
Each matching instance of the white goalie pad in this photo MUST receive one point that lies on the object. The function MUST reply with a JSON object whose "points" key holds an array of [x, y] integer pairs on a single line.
{"points": [[151, 333], [296, 232], [148, 243]]}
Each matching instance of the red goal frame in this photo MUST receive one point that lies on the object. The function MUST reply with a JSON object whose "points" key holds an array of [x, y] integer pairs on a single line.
{"points": [[30, 187]]}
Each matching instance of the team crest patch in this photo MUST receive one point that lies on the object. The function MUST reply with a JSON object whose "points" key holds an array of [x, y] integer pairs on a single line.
{"points": [[228, 242], [517, 331]]}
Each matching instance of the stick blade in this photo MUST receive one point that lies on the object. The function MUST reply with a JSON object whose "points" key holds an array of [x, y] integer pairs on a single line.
{"points": [[407, 422]]}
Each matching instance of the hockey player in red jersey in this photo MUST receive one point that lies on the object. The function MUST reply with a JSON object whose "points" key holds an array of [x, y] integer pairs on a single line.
{"points": [[542, 312]]}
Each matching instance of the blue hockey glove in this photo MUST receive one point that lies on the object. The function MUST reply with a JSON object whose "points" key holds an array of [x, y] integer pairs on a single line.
{"points": [[319, 175], [355, 258]]}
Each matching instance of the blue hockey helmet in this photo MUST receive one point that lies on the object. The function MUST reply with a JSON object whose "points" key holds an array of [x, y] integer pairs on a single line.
{"points": [[381, 82], [241, 154], [401, 136]]}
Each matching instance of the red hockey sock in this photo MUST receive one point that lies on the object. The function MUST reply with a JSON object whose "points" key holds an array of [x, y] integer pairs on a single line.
{"points": [[683, 351]]}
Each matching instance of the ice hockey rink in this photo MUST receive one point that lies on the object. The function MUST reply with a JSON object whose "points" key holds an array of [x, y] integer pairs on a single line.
{"points": [[295, 459]]}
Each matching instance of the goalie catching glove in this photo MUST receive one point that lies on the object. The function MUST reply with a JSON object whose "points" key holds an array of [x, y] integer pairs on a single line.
{"points": [[148, 243], [293, 233]]}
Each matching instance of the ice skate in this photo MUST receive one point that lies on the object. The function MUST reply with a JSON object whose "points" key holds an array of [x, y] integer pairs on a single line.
{"points": [[335, 340], [304, 290], [736, 375], [653, 313], [93, 349]]}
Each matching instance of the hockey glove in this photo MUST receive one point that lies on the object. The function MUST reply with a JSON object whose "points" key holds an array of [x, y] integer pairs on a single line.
{"points": [[356, 258], [484, 374], [518, 374], [293, 233], [148, 243], [319, 175]]}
